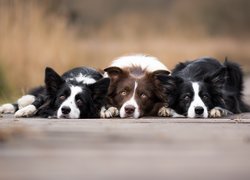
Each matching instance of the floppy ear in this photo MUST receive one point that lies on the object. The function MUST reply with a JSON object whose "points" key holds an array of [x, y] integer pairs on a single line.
{"points": [[167, 81], [161, 72], [53, 81], [100, 88], [217, 79], [114, 72]]}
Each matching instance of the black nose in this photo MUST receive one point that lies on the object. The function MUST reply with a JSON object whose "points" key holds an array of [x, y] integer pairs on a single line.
{"points": [[66, 110], [199, 110], [129, 109]]}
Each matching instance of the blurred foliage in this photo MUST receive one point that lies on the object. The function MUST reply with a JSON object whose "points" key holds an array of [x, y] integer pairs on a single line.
{"points": [[214, 17], [67, 33], [4, 90]]}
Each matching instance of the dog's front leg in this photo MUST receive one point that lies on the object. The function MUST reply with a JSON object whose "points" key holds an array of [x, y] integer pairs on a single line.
{"points": [[165, 111], [218, 112], [31, 109], [109, 112]]}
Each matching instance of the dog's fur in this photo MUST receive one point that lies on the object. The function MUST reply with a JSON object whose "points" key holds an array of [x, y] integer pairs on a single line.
{"points": [[206, 88], [78, 93], [135, 90]]}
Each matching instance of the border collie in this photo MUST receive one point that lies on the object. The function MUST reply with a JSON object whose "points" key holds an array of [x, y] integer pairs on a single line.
{"points": [[135, 90], [206, 88], [78, 93]]}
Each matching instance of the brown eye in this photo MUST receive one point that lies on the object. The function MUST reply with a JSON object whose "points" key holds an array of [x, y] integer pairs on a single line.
{"points": [[205, 97], [79, 102], [187, 98], [123, 93], [62, 97], [143, 96]]}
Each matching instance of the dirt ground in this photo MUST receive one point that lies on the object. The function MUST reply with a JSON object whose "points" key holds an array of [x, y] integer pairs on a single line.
{"points": [[146, 148]]}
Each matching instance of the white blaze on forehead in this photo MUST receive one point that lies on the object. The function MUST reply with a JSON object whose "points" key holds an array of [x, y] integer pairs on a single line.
{"points": [[70, 102], [131, 102], [196, 102], [148, 63], [84, 79]]}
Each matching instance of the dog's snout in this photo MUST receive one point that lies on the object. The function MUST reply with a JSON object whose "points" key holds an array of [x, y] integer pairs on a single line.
{"points": [[199, 110], [129, 109], [66, 110]]}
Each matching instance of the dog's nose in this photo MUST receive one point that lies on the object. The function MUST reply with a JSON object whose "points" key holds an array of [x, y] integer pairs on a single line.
{"points": [[199, 110], [66, 110], [129, 109]]}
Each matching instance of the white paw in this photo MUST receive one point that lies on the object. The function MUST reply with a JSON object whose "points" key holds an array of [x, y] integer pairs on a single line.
{"points": [[168, 112], [165, 112], [7, 109], [25, 101], [215, 113], [109, 113], [27, 111], [218, 112]]}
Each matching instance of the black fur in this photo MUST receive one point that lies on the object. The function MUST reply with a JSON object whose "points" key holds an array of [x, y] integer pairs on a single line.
{"points": [[92, 97], [221, 85]]}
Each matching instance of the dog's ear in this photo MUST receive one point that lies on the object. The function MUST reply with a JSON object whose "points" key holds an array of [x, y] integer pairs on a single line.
{"points": [[217, 79], [161, 72], [114, 72], [168, 82], [53, 81], [100, 88]]}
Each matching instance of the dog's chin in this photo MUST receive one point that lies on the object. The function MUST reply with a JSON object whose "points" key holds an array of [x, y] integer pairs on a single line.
{"points": [[129, 116], [63, 116], [197, 116]]}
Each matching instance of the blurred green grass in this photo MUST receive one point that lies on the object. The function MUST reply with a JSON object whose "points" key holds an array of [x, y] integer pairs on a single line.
{"points": [[63, 34]]}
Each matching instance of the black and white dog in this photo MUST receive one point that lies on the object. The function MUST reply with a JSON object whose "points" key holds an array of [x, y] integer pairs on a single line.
{"points": [[78, 93], [205, 88]]}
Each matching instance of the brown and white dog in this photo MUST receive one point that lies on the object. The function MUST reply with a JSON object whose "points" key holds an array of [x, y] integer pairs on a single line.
{"points": [[135, 89]]}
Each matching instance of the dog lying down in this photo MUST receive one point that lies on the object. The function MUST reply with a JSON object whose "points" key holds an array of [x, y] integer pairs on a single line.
{"points": [[135, 89], [78, 93], [206, 88]]}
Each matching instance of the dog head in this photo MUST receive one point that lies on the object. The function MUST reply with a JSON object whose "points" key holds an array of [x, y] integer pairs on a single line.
{"points": [[135, 92], [195, 98], [74, 99]]}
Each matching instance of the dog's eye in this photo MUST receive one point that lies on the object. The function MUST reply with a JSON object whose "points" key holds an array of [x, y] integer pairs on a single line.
{"points": [[205, 97], [187, 98], [143, 95], [79, 102], [62, 97], [123, 93]]}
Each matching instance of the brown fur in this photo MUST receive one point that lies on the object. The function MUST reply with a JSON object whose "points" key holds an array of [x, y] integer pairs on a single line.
{"points": [[149, 95]]}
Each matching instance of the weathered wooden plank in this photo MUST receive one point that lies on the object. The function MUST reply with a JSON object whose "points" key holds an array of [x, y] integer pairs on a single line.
{"points": [[149, 148]]}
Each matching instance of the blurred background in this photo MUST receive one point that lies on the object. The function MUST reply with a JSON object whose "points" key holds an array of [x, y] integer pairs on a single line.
{"points": [[68, 33]]}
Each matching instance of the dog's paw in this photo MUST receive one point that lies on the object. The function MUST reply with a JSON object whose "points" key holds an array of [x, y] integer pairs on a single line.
{"points": [[215, 113], [168, 112], [218, 112], [25, 101], [165, 112], [27, 111], [109, 113], [7, 109]]}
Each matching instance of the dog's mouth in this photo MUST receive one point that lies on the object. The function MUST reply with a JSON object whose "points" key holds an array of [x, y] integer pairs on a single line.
{"points": [[64, 116], [129, 116], [133, 115], [199, 116], [195, 116]]}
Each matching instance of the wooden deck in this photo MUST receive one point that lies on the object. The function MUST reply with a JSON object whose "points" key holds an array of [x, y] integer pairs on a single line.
{"points": [[148, 148]]}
